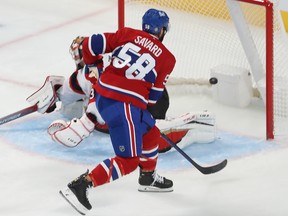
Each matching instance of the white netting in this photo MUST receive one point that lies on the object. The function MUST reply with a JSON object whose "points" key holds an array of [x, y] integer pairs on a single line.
{"points": [[203, 36], [188, 38]]}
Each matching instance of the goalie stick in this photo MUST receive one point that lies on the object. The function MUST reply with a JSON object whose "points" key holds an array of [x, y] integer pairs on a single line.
{"points": [[204, 170], [18, 114]]}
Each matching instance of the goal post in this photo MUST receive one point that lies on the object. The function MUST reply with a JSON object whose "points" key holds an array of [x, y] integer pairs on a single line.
{"points": [[246, 34], [254, 61], [121, 13]]}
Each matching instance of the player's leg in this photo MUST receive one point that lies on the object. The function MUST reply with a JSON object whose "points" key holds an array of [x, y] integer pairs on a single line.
{"points": [[125, 133], [149, 180], [126, 139]]}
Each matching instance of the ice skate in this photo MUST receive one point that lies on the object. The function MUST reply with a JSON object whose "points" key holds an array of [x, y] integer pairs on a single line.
{"points": [[76, 194], [152, 182]]}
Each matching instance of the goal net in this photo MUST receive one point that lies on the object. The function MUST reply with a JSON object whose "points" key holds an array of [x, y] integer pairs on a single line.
{"points": [[208, 33]]}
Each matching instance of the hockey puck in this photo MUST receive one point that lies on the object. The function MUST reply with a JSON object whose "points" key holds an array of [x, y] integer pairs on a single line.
{"points": [[213, 80]]}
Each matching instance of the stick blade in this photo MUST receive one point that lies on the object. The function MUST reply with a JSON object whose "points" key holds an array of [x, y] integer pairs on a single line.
{"points": [[214, 168]]}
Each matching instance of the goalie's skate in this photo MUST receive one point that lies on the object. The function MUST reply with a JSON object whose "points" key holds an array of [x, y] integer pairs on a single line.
{"points": [[76, 194], [152, 182]]}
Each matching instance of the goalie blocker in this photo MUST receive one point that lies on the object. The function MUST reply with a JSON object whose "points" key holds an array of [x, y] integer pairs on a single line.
{"points": [[46, 96]]}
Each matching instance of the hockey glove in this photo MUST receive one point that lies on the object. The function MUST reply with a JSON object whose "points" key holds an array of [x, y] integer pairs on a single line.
{"points": [[46, 96]]}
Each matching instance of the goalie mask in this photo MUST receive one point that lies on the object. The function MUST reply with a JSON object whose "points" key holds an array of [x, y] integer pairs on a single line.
{"points": [[76, 52]]}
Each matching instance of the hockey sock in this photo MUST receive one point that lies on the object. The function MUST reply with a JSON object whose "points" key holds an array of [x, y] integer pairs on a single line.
{"points": [[149, 156], [113, 168]]}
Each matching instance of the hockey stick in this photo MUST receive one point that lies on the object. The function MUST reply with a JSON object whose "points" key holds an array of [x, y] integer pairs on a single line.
{"points": [[18, 114], [204, 170]]}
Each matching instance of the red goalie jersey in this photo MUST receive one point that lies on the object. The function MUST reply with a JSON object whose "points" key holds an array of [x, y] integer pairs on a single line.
{"points": [[134, 74]]}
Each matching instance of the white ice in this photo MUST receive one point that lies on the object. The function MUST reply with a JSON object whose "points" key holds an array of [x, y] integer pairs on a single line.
{"points": [[34, 41]]}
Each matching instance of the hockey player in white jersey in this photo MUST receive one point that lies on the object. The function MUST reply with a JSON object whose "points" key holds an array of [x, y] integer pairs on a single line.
{"points": [[78, 103]]}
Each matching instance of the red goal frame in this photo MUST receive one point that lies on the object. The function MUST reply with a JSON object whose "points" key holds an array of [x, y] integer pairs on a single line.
{"points": [[269, 6], [269, 64]]}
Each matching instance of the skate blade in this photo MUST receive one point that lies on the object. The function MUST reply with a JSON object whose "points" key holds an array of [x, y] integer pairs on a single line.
{"points": [[69, 196], [154, 189]]}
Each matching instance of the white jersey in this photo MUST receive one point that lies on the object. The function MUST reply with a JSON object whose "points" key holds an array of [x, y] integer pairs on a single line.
{"points": [[77, 87]]}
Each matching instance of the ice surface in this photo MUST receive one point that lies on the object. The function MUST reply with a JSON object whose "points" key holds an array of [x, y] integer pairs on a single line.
{"points": [[35, 36]]}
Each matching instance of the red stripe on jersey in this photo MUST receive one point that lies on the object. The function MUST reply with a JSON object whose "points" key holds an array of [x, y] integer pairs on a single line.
{"points": [[116, 87], [131, 130]]}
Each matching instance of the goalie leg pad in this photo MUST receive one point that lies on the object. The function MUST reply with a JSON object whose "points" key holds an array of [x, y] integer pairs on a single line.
{"points": [[205, 134], [175, 137], [56, 126], [187, 121], [192, 127], [72, 133]]}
